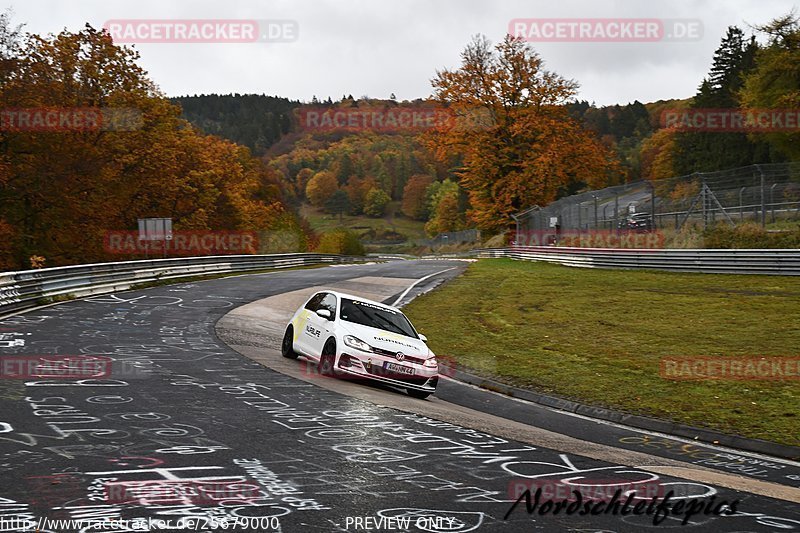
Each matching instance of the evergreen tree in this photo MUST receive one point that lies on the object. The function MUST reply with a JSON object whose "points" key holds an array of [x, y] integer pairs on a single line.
{"points": [[709, 151], [338, 203], [346, 169], [775, 82]]}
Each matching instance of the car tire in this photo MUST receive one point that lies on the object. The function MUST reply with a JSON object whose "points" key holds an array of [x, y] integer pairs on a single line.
{"points": [[287, 345], [328, 359], [419, 394]]}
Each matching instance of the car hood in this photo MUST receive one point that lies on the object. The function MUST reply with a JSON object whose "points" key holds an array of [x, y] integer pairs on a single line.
{"points": [[386, 340]]}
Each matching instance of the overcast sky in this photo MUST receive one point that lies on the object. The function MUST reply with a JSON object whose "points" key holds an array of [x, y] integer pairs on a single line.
{"points": [[379, 47]]}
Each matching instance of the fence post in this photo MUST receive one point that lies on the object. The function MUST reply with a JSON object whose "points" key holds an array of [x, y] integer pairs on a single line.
{"points": [[704, 199], [741, 205], [763, 199], [653, 204], [516, 232], [772, 200], [616, 212]]}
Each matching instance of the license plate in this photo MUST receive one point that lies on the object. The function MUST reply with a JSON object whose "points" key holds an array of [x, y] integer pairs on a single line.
{"points": [[398, 369]]}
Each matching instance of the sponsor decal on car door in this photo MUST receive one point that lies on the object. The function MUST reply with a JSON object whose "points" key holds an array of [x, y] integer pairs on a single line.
{"points": [[302, 338], [317, 329], [315, 333]]}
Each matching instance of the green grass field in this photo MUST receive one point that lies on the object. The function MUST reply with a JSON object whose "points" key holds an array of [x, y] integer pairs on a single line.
{"points": [[598, 336], [393, 222]]}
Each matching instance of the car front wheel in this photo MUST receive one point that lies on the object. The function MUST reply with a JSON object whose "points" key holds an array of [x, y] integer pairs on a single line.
{"points": [[327, 359], [287, 346]]}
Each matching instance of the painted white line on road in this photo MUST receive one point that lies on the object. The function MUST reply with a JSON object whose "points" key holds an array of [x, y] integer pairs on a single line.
{"points": [[420, 280]]}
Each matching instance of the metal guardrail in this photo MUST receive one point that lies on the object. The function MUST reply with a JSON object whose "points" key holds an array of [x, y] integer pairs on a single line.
{"points": [[783, 262], [31, 288]]}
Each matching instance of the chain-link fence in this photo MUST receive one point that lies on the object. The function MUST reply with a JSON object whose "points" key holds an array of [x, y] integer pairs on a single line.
{"points": [[757, 193]]}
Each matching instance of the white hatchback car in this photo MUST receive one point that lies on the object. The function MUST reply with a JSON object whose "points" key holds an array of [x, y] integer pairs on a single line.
{"points": [[358, 337]]}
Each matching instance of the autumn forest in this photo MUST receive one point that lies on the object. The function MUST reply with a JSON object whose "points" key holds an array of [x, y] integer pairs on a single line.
{"points": [[516, 136]]}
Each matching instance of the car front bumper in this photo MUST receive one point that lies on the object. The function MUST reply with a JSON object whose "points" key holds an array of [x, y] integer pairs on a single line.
{"points": [[357, 366]]}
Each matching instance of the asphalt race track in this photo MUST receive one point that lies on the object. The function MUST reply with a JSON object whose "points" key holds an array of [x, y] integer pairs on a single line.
{"points": [[201, 419]]}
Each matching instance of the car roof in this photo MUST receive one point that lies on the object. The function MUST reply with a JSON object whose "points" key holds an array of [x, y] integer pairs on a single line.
{"points": [[358, 298]]}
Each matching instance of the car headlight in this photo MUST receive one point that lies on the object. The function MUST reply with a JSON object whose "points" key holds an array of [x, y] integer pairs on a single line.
{"points": [[430, 363], [358, 344]]}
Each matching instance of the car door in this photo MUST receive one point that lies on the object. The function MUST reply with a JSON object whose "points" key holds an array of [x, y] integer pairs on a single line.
{"points": [[319, 328], [304, 327]]}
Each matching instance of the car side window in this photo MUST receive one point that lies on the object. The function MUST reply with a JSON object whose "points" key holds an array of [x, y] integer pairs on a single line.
{"points": [[314, 303], [329, 303]]}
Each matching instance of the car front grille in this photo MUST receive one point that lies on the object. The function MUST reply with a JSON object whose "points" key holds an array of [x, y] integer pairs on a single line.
{"points": [[406, 359]]}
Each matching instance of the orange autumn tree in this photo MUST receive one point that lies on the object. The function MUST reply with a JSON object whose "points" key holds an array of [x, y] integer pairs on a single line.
{"points": [[61, 190], [518, 145], [414, 197], [321, 187], [658, 154]]}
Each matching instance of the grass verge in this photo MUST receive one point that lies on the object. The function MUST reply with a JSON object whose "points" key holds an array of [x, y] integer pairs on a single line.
{"points": [[402, 228], [598, 336]]}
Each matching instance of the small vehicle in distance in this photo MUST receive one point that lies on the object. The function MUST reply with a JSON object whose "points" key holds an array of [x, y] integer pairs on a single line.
{"points": [[637, 223], [361, 338]]}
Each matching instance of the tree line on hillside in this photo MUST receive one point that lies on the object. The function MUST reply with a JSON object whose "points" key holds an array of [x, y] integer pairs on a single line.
{"points": [[360, 174], [59, 191], [252, 120], [493, 172], [542, 144]]}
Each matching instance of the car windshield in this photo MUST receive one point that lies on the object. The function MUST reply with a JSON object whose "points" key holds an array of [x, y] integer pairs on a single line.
{"points": [[367, 314]]}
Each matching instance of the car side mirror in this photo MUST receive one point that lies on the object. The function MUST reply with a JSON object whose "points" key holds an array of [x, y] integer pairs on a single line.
{"points": [[324, 313], [422, 337]]}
